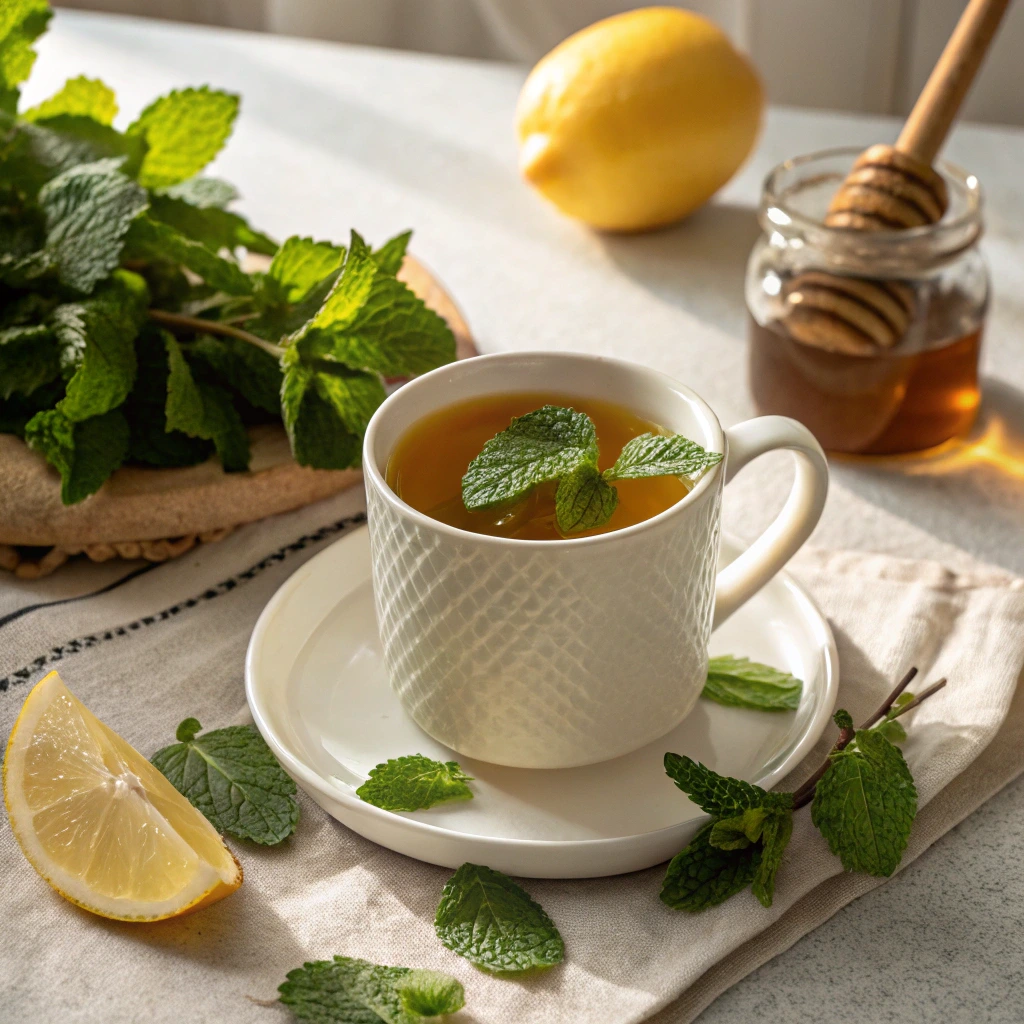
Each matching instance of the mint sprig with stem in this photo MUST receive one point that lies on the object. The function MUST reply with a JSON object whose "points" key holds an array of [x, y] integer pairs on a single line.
{"points": [[863, 801], [132, 327], [554, 443]]}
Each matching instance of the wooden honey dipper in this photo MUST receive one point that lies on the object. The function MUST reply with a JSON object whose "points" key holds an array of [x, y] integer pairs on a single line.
{"points": [[891, 188]]}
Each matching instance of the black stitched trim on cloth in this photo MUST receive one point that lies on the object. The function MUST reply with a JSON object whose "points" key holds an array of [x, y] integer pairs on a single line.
{"points": [[83, 643]]}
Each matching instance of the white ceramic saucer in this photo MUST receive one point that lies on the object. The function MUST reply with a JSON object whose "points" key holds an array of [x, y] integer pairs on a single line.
{"points": [[316, 686]]}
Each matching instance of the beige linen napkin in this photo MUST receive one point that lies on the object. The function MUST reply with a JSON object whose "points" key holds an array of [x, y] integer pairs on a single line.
{"points": [[329, 891]]}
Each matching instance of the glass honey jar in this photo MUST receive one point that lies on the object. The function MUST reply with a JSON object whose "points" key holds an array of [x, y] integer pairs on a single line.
{"points": [[889, 362]]}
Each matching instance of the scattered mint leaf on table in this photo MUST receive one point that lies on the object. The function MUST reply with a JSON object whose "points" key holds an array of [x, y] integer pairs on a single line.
{"points": [[865, 804], [742, 683], [492, 922], [350, 991], [413, 783], [97, 345], [233, 778], [583, 500], [89, 209], [84, 97], [85, 453], [661, 455], [184, 131], [536, 448], [701, 875]]}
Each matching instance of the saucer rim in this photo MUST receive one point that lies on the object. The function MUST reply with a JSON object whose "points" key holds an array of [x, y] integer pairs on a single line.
{"points": [[342, 793]]}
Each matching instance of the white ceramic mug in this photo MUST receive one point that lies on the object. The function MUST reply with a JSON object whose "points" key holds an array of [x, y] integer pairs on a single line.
{"points": [[555, 653]]}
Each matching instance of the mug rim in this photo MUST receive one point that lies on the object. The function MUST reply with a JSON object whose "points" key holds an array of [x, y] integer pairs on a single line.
{"points": [[375, 477]]}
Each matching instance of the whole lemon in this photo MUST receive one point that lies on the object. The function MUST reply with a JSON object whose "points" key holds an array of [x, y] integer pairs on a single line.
{"points": [[637, 120]]}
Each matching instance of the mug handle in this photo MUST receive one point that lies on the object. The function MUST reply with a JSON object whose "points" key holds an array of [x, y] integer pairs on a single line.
{"points": [[739, 581]]}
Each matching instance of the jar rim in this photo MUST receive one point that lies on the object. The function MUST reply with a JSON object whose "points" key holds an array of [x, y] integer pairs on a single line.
{"points": [[944, 238]]}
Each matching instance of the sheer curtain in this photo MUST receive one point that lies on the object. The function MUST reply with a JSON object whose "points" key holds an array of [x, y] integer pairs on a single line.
{"points": [[863, 55]]}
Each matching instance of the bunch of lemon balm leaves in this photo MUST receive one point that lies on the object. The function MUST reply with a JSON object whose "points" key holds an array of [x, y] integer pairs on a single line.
{"points": [[129, 331]]}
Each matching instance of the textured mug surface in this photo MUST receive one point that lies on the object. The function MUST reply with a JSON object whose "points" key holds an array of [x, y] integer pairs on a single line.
{"points": [[550, 654]]}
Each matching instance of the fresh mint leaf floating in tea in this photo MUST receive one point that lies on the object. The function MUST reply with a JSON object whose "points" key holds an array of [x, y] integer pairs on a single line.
{"points": [[742, 683], [541, 446], [349, 991], [555, 443], [413, 783], [109, 239], [865, 804], [488, 919], [234, 779], [661, 455]]}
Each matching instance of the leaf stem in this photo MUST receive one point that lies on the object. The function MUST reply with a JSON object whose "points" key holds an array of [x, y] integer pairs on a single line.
{"points": [[805, 794], [195, 323]]}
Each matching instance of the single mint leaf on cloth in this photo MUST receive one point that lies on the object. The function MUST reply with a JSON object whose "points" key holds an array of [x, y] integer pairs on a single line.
{"points": [[184, 131], [28, 359], [215, 228], [390, 256], [702, 876], [865, 804], [204, 410], [430, 993], [86, 97], [584, 500], [742, 683], [254, 374], [413, 783], [234, 779], [89, 209], [84, 454], [150, 239], [660, 455], [325, 412], [297, 267], [317, 993], [492, 922], [775, 836], [350, 991], [717, 794], [97, 344], [543, 445], [202, 191], [372, 321]]}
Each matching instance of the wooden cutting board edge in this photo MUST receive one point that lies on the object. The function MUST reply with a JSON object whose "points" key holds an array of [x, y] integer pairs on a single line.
{"points": [[162, 513]]}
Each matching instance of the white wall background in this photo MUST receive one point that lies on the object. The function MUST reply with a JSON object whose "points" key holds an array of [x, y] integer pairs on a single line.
{"points": [[861, 55]]}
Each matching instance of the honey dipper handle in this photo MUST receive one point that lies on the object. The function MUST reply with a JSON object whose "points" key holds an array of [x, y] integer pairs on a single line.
{"points": [[937, 106]]}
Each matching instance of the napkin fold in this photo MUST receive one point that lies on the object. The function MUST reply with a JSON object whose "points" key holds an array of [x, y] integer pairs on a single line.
{"points": [[327, 890]]}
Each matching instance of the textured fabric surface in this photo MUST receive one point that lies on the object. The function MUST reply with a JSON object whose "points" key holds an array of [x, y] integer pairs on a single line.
{"points": [[170, 642]]}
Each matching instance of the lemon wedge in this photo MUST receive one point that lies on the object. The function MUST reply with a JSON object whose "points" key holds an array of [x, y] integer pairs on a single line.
{"points": [[100, 823]]}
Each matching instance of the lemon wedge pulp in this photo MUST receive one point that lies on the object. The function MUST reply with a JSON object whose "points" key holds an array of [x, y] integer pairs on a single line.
{"points": [[100, 823]]}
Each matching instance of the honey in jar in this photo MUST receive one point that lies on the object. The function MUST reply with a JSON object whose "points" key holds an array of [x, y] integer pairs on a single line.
{"points": [[920, 386]]}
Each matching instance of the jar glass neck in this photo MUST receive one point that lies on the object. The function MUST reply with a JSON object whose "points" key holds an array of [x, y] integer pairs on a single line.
{"points": [[796, 197]]}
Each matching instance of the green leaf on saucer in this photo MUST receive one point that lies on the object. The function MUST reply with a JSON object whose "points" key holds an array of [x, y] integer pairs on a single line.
{"points": [[742, 683], [413, 783]]}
